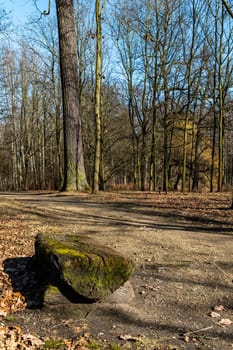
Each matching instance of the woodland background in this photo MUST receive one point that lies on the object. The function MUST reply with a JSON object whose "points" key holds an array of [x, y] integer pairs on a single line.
{"points": [[166, 100]]}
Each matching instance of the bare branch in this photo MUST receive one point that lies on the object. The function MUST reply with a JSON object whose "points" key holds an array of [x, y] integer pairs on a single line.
{"points": [[43, 13], [227, 7], [46, 13]]}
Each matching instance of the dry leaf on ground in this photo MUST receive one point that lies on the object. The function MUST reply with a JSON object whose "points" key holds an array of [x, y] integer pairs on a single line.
{"points": [[225, 322]]}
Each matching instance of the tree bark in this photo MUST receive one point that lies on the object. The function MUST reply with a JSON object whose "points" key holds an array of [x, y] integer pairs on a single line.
{"points": [[96, 176], [74, 171], [221, 115]]}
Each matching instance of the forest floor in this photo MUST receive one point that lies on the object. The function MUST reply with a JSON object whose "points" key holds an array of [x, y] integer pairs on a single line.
{"points": [[179, 296]]}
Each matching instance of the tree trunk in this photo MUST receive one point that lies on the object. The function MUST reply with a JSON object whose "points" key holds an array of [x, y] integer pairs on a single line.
{"points": [[220, 121], [95, 188], [74, 171], [185, 152]]}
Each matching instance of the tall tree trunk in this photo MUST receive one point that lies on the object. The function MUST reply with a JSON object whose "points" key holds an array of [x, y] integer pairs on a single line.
{"points": [[152, 154], [215, 99], [143, 160], [154, 107], [95, 187], [189, 97], [166, 151], [74, 171], [185, 152], [220, 121]]}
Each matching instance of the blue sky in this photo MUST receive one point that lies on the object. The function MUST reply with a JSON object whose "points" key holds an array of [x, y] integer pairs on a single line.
{"points": [[21, 10]]}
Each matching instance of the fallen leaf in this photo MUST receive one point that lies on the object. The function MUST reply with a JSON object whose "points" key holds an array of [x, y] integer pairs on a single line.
{"points": [[31, 340], [3, 313], [219, 308], [125, 337], [215, 314], [187, 339], [129, 337], [225, 322]]}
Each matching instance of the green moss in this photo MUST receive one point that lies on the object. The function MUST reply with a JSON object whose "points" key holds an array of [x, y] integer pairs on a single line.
{"points": [[99, 278], [92, 345], [82, 180], [56, 344], [52, 290], [10, 318], [68, 251], [115, 347]]}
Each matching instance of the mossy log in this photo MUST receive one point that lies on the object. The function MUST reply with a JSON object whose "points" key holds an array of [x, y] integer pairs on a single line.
{"points": [[81, 265]]}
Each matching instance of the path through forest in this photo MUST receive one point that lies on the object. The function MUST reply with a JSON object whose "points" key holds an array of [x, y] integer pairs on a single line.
{"points": [[180, 294]]}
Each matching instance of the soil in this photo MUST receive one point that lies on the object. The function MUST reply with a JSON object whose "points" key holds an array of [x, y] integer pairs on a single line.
{"points": [[178, 297]]}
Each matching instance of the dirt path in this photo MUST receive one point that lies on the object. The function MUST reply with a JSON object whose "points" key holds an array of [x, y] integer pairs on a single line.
{"points": [[183, 269]]}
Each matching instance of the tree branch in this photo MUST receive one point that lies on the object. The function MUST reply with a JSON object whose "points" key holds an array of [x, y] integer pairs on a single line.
{"points": [[227, 7], [44, 13]]}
